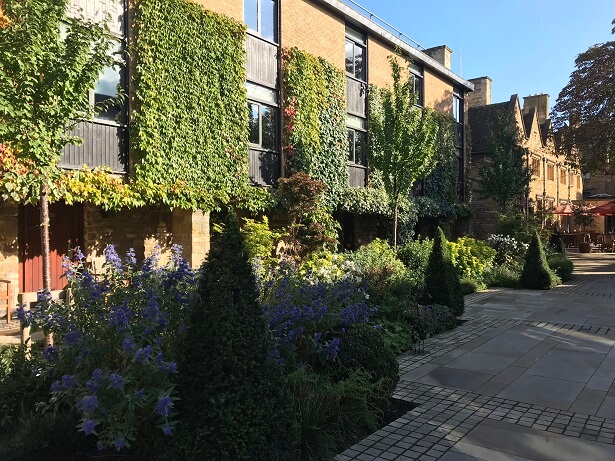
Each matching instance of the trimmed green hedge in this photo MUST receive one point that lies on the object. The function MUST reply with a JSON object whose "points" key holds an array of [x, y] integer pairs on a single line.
{"points": [[561, 265], [536, 273], [189, 127]]}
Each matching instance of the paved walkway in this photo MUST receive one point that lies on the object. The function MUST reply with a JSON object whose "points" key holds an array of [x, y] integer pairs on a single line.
{"points": [[529, 376]]}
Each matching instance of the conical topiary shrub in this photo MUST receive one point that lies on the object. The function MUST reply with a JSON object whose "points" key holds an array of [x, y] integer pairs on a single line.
{"points": [[557, 243], [234, 401], [441, 279], [536, 273]]}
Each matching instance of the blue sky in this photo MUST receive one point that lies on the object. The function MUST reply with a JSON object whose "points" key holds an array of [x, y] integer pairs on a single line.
{"points": [[525, 46]]}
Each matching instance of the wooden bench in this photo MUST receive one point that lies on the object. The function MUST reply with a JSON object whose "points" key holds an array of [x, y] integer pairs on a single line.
{"points": [[6, 298]]}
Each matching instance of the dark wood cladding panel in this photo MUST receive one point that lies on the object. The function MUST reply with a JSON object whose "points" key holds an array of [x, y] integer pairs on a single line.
{"points": [[264, 167], [355, 96], [356, 175], [103, 145], [261, 62]]}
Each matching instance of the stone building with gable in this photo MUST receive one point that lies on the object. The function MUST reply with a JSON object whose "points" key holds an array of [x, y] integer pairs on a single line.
{"points": [[554, 180]]}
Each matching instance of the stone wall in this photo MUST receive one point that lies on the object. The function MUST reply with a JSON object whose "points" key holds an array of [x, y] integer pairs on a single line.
{"points": [[9, 255], [438, 93]]}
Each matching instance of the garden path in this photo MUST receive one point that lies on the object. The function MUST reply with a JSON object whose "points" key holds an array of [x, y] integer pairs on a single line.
{"points": [[530, 376]]}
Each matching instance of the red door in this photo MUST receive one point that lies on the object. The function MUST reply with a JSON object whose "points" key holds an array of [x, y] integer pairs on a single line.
{"points": [[66, 233]]}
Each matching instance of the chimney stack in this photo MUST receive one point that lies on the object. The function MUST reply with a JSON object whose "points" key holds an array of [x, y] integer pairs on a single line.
{"points": [[540, 102], [481, 96], [441, 53]]}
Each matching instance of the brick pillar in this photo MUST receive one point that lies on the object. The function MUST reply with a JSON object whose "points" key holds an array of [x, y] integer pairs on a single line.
{"points": [[191, 231], [9, 252]]}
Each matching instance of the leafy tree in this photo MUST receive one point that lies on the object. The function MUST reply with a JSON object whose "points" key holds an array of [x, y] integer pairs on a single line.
{"points": [[504, 175], [584, 113], [234, 402], [402, 138], [49, 63]]}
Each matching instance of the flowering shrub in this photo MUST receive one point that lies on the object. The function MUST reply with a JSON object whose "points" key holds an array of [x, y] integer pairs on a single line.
{"points": [[471, 257], [509, 251], [307, 315], [112, 359]]}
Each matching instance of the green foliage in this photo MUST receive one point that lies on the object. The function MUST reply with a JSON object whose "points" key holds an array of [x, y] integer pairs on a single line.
{"points": [[44, 83], [470, 285], [521, 227], [581, 216], [332, 415], [234, 401], [190, 120], [312, 228], [504, 174], [398, 335], [583, 113], [415, 256], [471, 257], [536, 273], [314, 135], [503, 276], [441, 279], [561, 265], [363, 348], [384, 273], [259, 239], [557, 244], [402, 137]]}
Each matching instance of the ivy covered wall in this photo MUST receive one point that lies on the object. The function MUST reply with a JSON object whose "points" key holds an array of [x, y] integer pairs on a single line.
{"points": [[314, 138], [189, 122]]}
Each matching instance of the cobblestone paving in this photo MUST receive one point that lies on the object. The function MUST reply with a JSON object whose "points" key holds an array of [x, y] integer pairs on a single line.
{"points": [[444, 415]]}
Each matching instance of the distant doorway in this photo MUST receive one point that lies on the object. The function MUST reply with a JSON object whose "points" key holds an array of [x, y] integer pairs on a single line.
{"points": [[66, 234]]}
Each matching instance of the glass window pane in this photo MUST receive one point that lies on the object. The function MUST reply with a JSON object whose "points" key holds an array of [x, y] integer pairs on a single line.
{"points": [[250, 14], [358, 62], [360, 150], [107, 88], [253, 135], [351, 145], [269, 118], [268, 20], [260, 93], [349, 57], [355, 35], [352, 121]]}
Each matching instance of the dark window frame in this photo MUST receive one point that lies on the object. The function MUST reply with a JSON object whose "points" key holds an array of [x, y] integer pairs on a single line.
{"points": [[350, 39], [417, 73], [352, 147], [276, 132], [259, 20]]}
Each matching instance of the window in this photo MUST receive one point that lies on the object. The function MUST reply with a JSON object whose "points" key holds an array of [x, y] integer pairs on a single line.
{"points": [[562, 176], [458, 114], [578, 181], [551, 172], [107, 87], [357, 147], [261, 16], [355, 54], [536, 167], [263, 126], [416, 76]]}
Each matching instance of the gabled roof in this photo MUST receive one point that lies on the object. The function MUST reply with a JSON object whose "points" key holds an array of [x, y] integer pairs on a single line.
{"points": [[482, 120]]}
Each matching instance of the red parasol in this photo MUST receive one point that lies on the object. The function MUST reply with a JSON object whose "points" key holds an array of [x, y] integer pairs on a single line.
{"points": [[606, 209], [563, 209]]}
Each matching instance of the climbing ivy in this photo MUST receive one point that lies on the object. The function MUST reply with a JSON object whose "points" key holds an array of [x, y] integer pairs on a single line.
{"points": [[314, 125], [190, 119]]}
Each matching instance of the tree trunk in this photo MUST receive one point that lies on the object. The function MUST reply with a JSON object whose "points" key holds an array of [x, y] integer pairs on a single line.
{"points": [[395, 208], [44, 205]]}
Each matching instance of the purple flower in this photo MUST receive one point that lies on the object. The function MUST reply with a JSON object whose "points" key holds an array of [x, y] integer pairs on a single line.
{"points": [[170, 367], [116, 381], [131, 258], [79, 256], [119, 444], [163, 406], [128, 345], [333, 349], [56, 387], [48, 353], [140, 395], [112, 258], [88, 404], [143, 354], [88, 427], [167, 430], [69, 382], [71, 337], [100, 446]]}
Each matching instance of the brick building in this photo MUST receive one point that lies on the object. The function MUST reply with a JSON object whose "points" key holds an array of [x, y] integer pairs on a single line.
{"points": [[553, 181], [352, 40]]}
